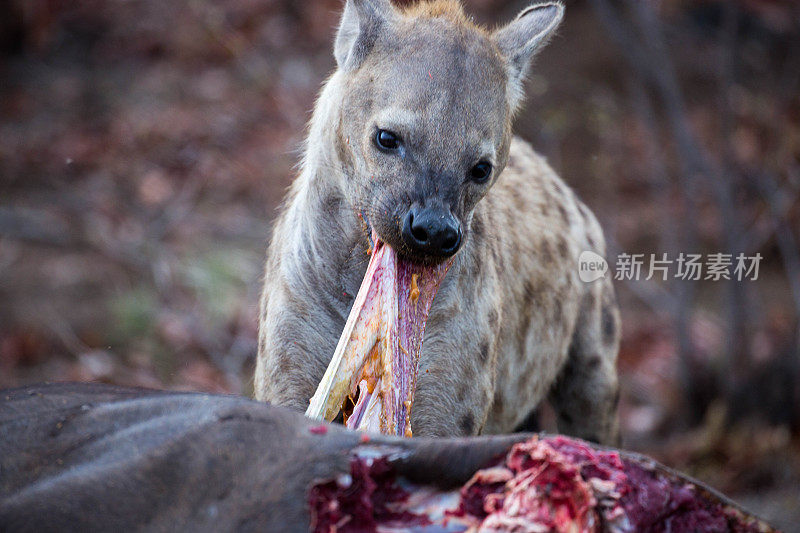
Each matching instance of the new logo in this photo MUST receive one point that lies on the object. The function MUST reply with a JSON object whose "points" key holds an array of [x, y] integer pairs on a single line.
{"points": [[591, 266]]}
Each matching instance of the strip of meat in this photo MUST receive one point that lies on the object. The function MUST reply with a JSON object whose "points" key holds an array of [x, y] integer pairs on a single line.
{"points": [[380, 345]]}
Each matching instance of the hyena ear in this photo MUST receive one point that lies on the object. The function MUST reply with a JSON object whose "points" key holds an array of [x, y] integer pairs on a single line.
{"points": [[521, 39], [362, 22]]}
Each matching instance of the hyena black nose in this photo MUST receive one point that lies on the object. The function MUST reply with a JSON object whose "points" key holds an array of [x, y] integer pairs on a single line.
{"points": [[432, 231]]}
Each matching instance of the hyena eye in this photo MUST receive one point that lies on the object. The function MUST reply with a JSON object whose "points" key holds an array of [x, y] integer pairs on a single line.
{"points": [[387, 140], [481, 172]]}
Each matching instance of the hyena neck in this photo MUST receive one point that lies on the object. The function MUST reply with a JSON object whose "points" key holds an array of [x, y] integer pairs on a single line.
{"points": [[321, 225]]}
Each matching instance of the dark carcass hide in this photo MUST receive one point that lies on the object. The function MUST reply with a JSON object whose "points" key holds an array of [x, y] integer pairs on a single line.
{"points": [[81, 457]]}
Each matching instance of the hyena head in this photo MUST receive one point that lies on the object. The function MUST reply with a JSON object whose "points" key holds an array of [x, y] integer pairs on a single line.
{"points": [[425, 102]]}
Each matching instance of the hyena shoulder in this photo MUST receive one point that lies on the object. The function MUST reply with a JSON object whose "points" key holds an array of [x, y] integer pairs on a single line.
{"points": [[537, 200], [558, 335]]}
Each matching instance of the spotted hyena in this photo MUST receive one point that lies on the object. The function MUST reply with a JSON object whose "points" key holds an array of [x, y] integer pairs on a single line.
{"points": [[411, 137]]}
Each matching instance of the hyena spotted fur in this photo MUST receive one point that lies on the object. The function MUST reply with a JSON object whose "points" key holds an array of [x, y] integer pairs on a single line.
{"points": [[512, 324]]}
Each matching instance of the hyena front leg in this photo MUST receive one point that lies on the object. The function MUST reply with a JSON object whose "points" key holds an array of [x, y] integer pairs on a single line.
{"points": [[456, 379], [586, 394]]}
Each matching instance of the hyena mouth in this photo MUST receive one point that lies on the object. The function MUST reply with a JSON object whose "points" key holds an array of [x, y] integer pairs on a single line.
{"points": [[373, 373]]}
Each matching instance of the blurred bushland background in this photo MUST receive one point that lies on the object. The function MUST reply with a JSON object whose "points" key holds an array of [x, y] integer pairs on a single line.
{"points": [[146, 144]]}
